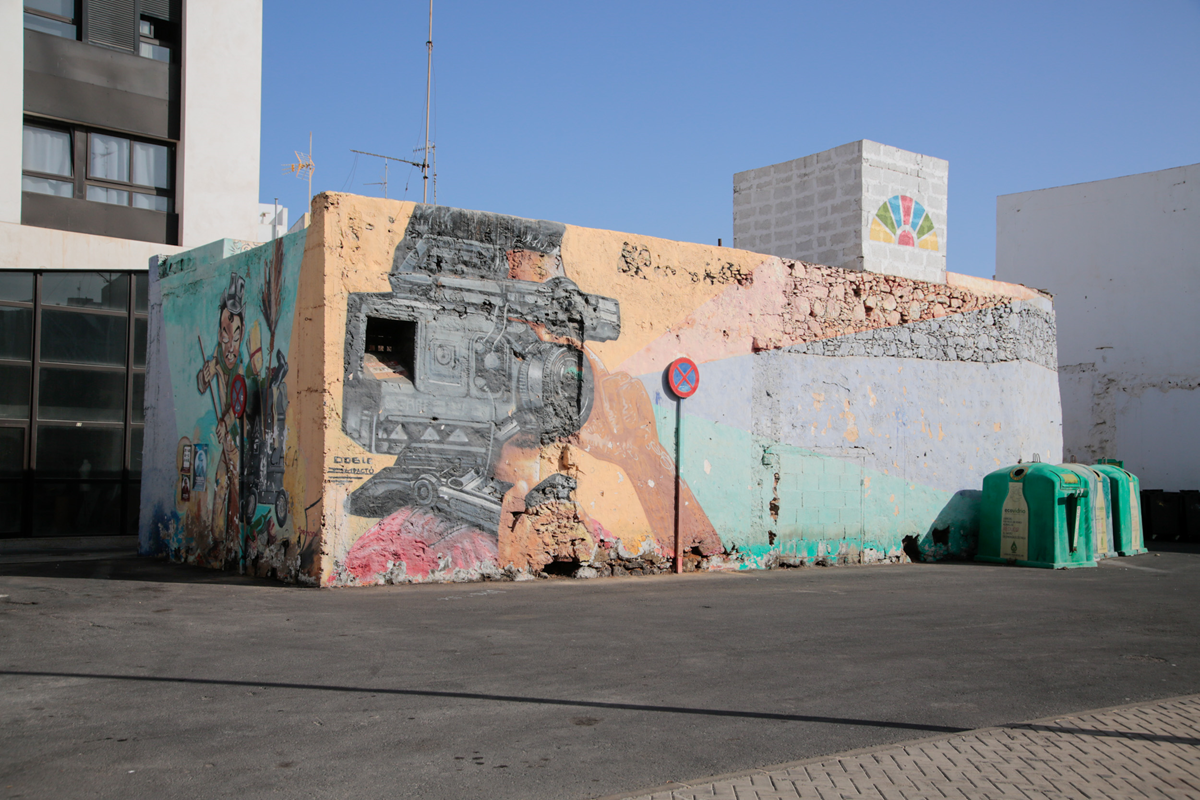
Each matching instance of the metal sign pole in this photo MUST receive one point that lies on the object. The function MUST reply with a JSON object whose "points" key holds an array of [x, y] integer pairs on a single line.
{"points": [[683, 378], [678, 483]]}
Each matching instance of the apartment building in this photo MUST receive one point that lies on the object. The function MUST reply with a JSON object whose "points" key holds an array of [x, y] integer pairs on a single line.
{"points": [[128, 129]]}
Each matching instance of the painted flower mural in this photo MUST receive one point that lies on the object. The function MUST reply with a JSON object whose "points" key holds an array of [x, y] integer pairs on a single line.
{"points": [[902, 220]]}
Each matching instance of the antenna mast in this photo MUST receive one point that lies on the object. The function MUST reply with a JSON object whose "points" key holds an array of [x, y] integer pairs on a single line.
{"points": [[428, 85]]}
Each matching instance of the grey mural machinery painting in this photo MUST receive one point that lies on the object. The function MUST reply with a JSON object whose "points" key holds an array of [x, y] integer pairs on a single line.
{"points": [[460, 358]]}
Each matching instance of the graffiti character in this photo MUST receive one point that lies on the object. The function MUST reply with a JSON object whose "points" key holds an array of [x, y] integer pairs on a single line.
{"points": [[199, 467], [221, 369], [266, 414]]}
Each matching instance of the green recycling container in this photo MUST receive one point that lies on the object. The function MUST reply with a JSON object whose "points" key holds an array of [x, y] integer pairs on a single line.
{"points": [[1126, 492], [1035, 515], [1100, 507]]}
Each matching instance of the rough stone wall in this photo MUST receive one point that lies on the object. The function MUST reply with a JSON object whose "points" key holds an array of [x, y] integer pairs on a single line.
{"points": [[788, 302], [1013, 332]]}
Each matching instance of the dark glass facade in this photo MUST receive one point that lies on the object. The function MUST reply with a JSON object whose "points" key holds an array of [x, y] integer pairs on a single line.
{"points": [[72, 376]]}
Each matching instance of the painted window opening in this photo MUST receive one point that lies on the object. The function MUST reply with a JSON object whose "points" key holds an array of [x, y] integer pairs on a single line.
{"points": [[499, 365], [902, 220], [391, 349]]}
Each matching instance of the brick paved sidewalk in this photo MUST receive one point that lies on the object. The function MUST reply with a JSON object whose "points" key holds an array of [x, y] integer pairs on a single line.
{"points": [[1136, 751]]}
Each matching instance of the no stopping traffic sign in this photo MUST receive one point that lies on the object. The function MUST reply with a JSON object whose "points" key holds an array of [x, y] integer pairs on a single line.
{"points": [[237, 396], [683, 376]]}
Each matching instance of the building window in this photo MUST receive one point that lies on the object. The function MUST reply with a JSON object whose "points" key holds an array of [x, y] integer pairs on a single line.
{"points": [[45, 160], [55, 17], [127, 172], [120, 171], [72, 379], [154, 40]]}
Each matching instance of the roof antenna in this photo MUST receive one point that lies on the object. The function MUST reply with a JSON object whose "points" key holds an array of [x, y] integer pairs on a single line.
{"points": [[428, 86], [304, 163], [386, 159]]}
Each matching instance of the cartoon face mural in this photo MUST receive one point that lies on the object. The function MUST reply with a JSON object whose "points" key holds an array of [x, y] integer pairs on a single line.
{"points": [[233, 424], [217, 376]]}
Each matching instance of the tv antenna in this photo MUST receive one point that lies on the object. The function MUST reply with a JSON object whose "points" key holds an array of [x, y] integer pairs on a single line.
{"points": [[430, 149], [386, 159], [304, 163], [428, 88]]}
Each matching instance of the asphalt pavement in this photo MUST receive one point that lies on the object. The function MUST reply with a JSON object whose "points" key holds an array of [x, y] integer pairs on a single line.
{"points": [[134, 678]]}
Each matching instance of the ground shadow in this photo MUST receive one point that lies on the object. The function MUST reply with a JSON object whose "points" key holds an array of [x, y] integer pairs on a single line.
{"points": [[1168, 738], [501, 698], [610, 706], [954, 533], [1164, 546], [155, 569]]}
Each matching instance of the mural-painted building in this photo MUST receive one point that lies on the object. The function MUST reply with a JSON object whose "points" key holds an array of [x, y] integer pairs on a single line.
{"points": [[405, 393]]}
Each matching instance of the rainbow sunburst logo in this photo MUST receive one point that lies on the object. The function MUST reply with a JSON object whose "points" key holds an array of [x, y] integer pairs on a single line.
{"points": [[902, 220]]}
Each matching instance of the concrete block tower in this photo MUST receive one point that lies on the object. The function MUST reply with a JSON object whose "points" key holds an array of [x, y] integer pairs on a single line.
{"points": [[863, 206]]}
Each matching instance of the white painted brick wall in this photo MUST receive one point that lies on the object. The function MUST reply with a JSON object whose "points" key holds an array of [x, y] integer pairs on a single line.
{"points": [[819, 208]]}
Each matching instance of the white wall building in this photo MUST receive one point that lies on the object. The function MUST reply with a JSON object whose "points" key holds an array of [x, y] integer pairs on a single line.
{"points": [[1122, 259]]}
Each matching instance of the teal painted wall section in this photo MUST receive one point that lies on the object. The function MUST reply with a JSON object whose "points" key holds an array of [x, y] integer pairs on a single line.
{"points": [[209, 497], [723, 466], [827, 505], [191, 315]]}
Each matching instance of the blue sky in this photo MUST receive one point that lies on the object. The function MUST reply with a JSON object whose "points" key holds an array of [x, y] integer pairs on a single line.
{"points": [[634, 116]]}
